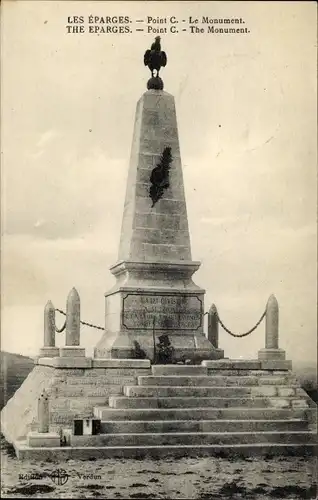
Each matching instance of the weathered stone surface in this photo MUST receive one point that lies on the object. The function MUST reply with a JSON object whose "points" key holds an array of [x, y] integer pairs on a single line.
{"points": [[155, 426], [271, 355], [279, 403], [187, 402], [198, 380], [149, 139], [233, 364], [173, 439], [266, 390], [49, 325], [120, 363], [271, 323], [48, 352], [299, 403], [69, 362], [106, 413], [73, 313], [285, 391], [72, 352], [41, 440], [271, 380], [194, 391], [86, 404], [179, 370], [276, 364], [44, 412], [86, 453]]}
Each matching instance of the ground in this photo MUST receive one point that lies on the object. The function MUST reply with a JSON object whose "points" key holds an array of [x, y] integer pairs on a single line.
{"points": [[202, 478]]}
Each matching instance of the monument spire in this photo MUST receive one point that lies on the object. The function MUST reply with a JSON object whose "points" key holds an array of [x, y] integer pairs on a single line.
{"points": [[154, 294]]}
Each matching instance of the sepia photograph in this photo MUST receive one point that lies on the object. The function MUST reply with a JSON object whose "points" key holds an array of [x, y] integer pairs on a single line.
{"points": [[159, 249]]}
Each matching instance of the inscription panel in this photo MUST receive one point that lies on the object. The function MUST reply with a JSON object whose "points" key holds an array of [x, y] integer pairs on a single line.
{"points": [[162, 312]]}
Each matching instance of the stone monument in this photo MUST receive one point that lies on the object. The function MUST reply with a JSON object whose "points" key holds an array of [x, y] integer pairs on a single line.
{"points": [[154, 294], [75, 406]]}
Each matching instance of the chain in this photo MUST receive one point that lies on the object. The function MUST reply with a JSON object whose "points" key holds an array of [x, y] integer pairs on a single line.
{"points": [[240, 335], [60, 330], [82, 322]]}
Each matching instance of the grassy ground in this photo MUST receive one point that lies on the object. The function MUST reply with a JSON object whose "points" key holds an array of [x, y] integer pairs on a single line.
{"points": [[202, 479]]}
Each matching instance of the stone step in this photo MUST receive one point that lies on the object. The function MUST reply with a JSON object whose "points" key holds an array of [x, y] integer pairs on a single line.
{"points": [[194, 438], [209, 380], [185, 370], [106, 413], [266, 450], [201, 391], [198, 402], [137, 426]]}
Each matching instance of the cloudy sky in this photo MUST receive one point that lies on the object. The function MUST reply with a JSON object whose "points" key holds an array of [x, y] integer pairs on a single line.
{"points": [[246, 109]]}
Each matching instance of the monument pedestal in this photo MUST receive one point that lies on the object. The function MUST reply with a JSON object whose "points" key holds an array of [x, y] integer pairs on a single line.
{"points": [[154, 295], [148, 302]]}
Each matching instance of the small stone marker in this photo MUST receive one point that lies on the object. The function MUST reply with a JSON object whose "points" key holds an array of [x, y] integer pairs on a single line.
{"points": [[43, 412]]}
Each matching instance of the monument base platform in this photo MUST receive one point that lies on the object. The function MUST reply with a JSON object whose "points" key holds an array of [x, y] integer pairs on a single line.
{"points": [[227, 407], [185, 347]]}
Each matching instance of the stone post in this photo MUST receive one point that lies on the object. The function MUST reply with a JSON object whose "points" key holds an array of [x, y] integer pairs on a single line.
{"points": [[271, 350], [49, 350], [43, 412], [73, 323], [213, 326], [271, 323], [49, 325], [73, 315]]}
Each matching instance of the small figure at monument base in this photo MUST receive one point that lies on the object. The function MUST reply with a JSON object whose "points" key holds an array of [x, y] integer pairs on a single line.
{"points": [[164, 351]]}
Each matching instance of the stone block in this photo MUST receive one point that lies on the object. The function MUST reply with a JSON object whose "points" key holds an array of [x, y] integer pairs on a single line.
{"points": [[86, 404], [267, 390], [120, 363], [45, 361], [285, 391], [299, 403], [271, 354], [126, 372], [43, 439], [271, 380], [179, 370], [105, 391], [48, 352], [61, 403], [76, 362], [276, 364], [279, 403], [72, 352], [233, 364]]}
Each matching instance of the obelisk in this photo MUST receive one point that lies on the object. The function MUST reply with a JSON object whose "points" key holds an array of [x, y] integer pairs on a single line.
{"points": [[154, 294]]}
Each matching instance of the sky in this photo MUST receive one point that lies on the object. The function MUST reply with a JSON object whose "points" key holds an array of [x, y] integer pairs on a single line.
{"points": [[246, 110]]}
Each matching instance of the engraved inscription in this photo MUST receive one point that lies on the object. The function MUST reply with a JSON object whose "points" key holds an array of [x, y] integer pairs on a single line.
{"points": [[162, 312]]}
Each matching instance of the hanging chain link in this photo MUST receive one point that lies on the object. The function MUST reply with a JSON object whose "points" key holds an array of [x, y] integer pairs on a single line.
{"points": [[60, 330], [82, 322], [240, 335], [237, 335]]}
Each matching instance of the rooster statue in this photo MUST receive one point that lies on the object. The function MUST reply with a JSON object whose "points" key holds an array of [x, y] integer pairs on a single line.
{"points": [[155, 58]]}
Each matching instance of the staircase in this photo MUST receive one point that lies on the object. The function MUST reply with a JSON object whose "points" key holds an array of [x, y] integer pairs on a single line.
{"points": [[191, 410]]}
